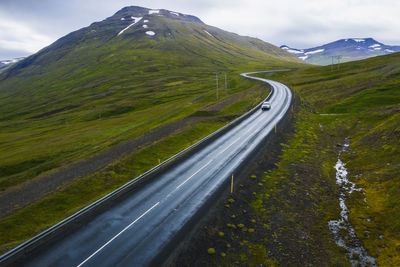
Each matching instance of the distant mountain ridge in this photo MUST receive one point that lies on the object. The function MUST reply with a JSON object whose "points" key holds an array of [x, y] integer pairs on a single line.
{"points": [[346, 49], [7, 62]]}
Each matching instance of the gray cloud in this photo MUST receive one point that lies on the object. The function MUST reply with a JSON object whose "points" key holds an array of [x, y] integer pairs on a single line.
{"points": [[28, 25]]}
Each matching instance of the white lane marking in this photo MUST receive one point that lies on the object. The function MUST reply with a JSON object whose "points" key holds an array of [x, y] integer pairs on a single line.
{"points": [[193, 175], [228, 146], [251, 128], [109, 241]]}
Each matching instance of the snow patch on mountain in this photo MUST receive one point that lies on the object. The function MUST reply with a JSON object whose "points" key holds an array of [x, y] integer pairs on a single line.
{"points": [[174, 13], [374, 45], [295, 51], [135, 20], [358, 40], [315, 51], [291, 50], [208, 33], [154, 12], [150, 33]]}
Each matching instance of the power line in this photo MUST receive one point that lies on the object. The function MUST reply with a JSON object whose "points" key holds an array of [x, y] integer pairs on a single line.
{"points": [[338, 58], [338, 62], [226, 87], [216, 78]]}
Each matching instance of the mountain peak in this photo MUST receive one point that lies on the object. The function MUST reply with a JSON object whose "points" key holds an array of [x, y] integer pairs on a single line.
{"points": [[134, 29], [137, 11]]}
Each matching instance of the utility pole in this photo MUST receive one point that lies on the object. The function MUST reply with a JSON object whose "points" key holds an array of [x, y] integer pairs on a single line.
{"points": [[216, 78], [226, 87], [332, 64]]}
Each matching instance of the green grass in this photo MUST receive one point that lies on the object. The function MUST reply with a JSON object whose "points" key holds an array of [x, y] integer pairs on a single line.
{"points": [[364, 100], [290, 205], [93, 89], [42, 214], [49, 210], [83, 94], [30, 147]]}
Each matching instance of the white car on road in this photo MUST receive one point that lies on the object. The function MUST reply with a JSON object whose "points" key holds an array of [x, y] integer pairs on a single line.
{"points": [[266, 105]]}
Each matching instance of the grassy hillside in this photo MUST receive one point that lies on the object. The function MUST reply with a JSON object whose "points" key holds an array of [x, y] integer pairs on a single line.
{"points": [[95, 88], [281, 216], [362, 101]]}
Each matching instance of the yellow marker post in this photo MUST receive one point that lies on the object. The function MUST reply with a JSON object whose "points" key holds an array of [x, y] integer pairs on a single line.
{"points": [[232, 184], [275, 127], [159, 161]]}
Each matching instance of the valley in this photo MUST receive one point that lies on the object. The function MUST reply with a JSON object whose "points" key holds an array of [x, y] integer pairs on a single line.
{"points": [[99, 107], [115, 128]]}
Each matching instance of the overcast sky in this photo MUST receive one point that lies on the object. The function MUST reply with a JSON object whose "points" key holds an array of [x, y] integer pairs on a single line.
{"points": [[26, 26]]}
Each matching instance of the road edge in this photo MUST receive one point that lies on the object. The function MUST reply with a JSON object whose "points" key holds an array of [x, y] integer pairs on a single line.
{"points": [[58, 230]]}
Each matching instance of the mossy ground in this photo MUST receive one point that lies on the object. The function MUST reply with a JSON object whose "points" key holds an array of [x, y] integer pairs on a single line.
{"points": [[279, 216], [28, 221], [289, 205], [94, 89]]}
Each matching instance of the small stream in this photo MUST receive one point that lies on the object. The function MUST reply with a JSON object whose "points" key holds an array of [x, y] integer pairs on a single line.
{"points": [[342, 230]]}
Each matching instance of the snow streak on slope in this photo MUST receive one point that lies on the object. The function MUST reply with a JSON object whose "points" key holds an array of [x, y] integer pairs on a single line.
{"points": [[135, 20]]}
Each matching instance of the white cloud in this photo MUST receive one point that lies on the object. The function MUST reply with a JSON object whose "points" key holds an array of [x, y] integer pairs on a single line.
{"points": [[310, 23], [16, 35]]}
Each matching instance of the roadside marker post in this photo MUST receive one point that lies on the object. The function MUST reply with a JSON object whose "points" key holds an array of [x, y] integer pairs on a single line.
{"points": [[275, 127], [232, 184]]}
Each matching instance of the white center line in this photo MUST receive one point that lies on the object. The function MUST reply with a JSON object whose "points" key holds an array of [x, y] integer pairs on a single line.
{"points": [[193, 174], [109, 241], [251, 128], [228, 146]]}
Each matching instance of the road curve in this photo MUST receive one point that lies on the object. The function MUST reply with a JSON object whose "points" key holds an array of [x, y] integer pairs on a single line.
{"points": [[134, 232]]}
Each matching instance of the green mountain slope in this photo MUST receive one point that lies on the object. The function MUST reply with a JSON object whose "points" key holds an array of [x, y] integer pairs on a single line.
{"points": [[115, 80], [97, 57]]}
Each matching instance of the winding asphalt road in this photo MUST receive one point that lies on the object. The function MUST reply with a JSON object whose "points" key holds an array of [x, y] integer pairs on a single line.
{"points": [[135, 231]]}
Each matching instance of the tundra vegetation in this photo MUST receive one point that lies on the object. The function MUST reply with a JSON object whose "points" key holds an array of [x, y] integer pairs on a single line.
{"points": [[280, 215], [94, 89]]}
